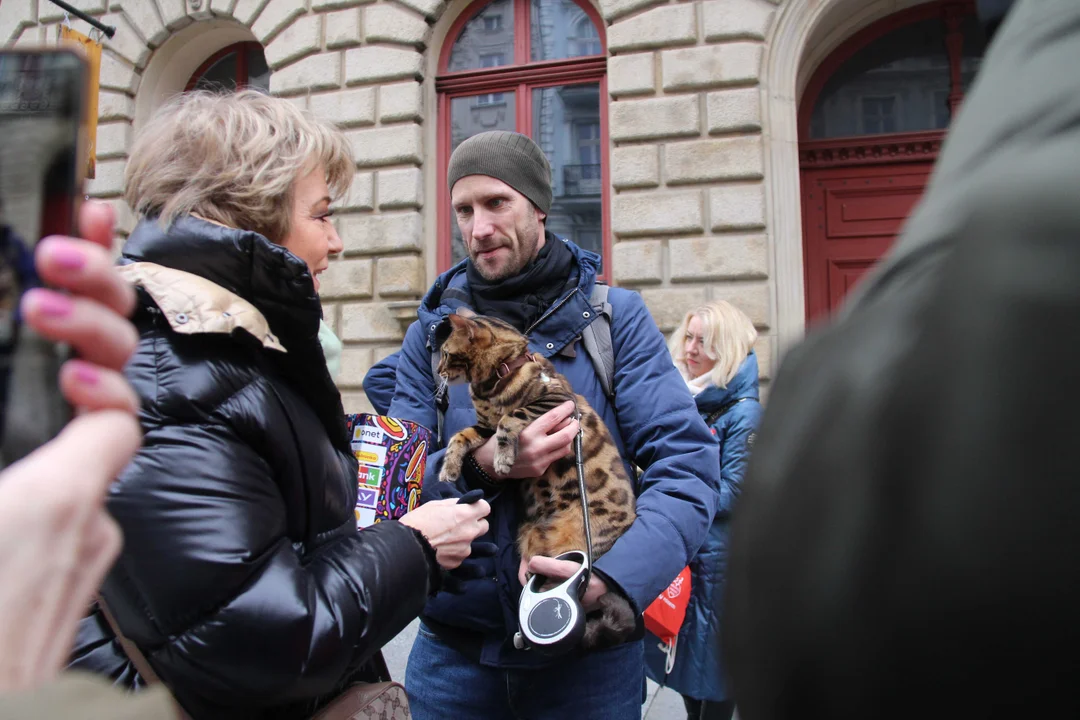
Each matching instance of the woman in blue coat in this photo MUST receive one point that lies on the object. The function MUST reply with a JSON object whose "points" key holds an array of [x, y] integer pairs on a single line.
{"points": [[713, 350]]}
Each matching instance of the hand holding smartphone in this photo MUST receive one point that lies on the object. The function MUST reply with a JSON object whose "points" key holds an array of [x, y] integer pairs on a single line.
{"points": [[42, 102]]}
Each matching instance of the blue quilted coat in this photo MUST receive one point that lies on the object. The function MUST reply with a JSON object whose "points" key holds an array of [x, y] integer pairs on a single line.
{"points": [[699, 670], [653, 420]]}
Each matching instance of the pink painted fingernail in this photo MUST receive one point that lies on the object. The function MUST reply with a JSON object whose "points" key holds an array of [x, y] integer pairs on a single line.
{"points": [[68, 257], [53, 304], [86, 374]]}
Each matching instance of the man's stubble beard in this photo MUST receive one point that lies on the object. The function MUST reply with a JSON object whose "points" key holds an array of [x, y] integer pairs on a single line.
{"points": [[518, 261]]}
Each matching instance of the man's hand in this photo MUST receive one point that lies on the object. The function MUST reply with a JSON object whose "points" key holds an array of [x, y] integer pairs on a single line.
{"points": [[545, 440], [560, 570]]}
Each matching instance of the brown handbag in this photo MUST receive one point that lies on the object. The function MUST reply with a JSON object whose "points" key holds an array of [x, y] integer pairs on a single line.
{"points": [[363, 701]]}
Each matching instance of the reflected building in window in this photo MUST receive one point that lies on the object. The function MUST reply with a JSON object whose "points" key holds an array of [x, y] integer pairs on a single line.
{"points": [[900, 83], [566, 125], [487, 40]]}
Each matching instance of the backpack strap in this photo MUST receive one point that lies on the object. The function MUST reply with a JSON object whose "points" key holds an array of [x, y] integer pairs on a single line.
{"points": [[142, 665], [596, 337], [442, 401]]}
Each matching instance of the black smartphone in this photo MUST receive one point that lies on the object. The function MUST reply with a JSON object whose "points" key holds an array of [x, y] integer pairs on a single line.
{"points": [[42, 139]]}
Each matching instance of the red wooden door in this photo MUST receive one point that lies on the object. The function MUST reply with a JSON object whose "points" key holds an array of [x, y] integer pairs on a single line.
{"points": [[871, 122], [851, 216]]}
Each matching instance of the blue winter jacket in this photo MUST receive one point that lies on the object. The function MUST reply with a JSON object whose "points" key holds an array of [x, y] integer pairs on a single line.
{"points": [[380, 383], [699, 670], [654, 421]]}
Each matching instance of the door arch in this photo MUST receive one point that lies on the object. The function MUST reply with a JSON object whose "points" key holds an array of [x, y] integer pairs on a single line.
{"points": [[870, 125]]}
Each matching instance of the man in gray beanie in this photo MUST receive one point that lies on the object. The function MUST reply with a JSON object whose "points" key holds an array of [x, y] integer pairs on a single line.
{"points": [[483, 167], [464, 664]]}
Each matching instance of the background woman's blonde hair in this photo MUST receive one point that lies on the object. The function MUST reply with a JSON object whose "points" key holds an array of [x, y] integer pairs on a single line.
{"points": [[233, 159], [729, 338]]}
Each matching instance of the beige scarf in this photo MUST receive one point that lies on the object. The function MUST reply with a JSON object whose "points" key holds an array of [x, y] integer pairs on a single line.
{"points": [[695, 385]]}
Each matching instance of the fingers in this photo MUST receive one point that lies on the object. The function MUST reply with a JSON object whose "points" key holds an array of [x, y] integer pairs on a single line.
{"points": [[552, 418], [523, 572], [557, 445], [98, 334], [89, 387], [562, 569], [96, 221], [566, 435], [472, 511], [92, 450], [84, 269], [596, 589]]}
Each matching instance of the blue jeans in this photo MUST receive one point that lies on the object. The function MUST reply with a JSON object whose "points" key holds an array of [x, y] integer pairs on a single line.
{"points": [[442, 683]]}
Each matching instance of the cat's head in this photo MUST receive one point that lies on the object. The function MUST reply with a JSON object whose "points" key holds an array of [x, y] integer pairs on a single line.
{"points": [[477, 345]]}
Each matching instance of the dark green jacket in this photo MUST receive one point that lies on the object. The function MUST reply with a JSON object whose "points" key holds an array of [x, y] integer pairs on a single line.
{"points": [[906, 542]]}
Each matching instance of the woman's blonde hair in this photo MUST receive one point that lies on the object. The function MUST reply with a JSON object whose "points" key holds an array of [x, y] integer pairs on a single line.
{"points": [[729, 338], [232, 158]]}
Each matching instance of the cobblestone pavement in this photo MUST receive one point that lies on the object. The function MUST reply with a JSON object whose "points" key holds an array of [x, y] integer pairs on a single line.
{"points": [[662, 704]]}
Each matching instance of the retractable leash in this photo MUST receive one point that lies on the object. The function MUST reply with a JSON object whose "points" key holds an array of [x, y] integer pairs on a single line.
{"points": [[553, 621]]}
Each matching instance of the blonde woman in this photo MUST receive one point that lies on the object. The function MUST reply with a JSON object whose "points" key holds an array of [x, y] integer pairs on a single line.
{"points": [[243, 579], [713, 349]]}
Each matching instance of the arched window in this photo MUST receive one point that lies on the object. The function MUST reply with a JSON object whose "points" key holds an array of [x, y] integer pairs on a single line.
{"points": [[537, 67], [241, 65], [910, 79]]}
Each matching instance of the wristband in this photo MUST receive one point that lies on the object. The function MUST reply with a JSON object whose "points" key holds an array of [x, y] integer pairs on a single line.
{"points": [[479, 477]]}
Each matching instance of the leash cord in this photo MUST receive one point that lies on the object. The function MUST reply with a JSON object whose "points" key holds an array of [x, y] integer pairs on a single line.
{"points": [[581, 486]]}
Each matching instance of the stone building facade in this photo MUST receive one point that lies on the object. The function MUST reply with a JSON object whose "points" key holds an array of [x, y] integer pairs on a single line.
{"points": [[701, 144]]}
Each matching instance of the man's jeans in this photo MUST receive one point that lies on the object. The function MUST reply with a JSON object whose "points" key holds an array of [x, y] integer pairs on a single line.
{"points": [[442, 683]]}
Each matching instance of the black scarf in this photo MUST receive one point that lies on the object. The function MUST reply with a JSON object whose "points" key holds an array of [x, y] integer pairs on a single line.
{"points": [[522, 299]]}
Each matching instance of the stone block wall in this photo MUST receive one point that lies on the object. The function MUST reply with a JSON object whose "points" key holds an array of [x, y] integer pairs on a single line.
{"points": [[359, 64], [355, 62], [686, 171], [687, 163]]}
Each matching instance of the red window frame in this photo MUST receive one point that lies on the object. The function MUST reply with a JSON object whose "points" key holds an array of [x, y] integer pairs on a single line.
{"points": [[520, 77], [241, 50]]}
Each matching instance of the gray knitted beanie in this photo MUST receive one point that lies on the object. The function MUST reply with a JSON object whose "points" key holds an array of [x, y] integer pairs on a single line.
{"points": [[508, 156]]}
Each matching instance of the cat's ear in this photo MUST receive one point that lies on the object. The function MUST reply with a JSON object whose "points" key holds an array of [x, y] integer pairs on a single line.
{"points": [[460, 322]]}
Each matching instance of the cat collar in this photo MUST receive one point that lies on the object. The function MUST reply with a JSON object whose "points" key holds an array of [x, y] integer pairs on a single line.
{"points": [[507, 368]]}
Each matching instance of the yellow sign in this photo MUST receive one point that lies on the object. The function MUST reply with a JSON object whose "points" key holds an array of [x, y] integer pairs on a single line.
{"points": [[92, 49]]}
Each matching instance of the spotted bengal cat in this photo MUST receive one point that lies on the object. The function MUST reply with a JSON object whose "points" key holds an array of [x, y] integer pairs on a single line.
{"points": [[510, 388]]}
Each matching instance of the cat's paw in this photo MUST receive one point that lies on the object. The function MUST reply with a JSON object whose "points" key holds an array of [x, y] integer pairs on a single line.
{"points": [[451, 467], [505, 454], [503, 462], [612, 625]]}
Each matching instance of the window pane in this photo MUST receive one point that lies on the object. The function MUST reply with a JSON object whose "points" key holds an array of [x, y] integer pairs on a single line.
{"points": [[223, 74], [220, 76], [258, 71], [974, 49], [470, 116], [487, 40], [561, 29], [566, 125], [895, 84]]}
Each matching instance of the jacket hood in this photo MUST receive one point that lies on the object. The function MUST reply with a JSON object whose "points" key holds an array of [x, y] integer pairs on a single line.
{"points": [[743, 385], [451, 291], [241, 261], [272, 279]]}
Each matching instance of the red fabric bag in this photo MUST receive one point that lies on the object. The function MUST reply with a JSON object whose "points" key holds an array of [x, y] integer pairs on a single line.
{"points": [[665, 616]]}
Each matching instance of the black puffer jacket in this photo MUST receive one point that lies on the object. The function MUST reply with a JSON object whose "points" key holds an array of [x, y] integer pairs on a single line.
{"points": [[243, 578]]}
